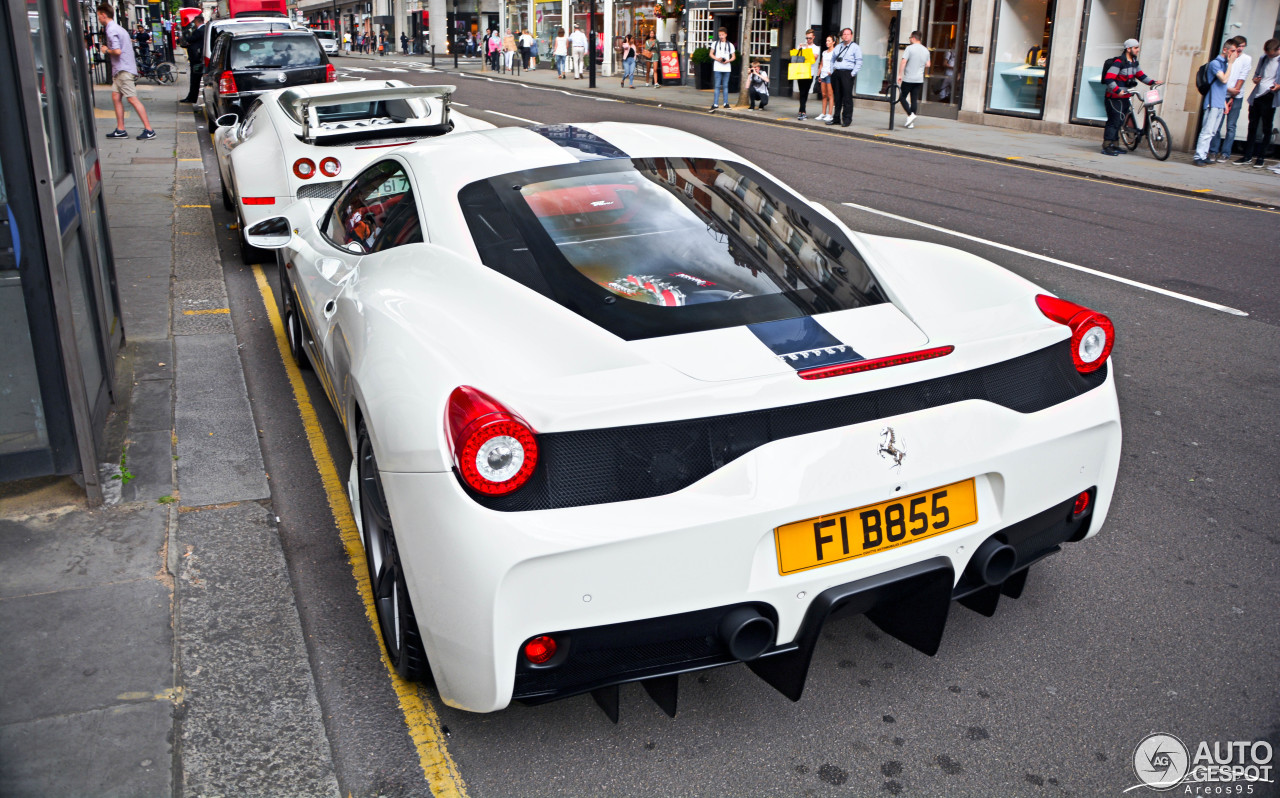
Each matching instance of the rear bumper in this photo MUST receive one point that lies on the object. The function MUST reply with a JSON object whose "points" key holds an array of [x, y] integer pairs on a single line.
{"points": [[484, 581]]}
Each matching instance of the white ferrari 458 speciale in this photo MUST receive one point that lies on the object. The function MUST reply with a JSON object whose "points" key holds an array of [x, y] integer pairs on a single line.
{"points": [[623, 406]]}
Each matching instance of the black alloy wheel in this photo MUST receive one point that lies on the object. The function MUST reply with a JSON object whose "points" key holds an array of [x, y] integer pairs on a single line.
{"points": [[396, 620], [293, 330], [226, 195]]}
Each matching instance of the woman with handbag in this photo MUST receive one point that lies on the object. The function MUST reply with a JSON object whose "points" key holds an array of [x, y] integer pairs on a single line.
{"points": [[628, 55], [651, 52], [824, 81]]}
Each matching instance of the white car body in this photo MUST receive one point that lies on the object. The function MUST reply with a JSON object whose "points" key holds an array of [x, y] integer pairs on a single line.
{"points": [[328, 40], [256, 155], [394, 333]]}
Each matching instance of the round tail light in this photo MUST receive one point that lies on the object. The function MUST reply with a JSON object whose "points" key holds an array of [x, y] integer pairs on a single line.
{"points": [[540, 649], [495, 450], [1092, 334], [304, 168], [330, 167], [1082, 503]]}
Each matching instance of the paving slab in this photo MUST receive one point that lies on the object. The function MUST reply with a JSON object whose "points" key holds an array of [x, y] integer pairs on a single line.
{"points": [[151, 406], [150, 462], [252, 723]]}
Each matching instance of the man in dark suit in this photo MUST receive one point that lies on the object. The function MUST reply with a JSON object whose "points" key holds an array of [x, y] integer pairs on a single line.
{"points": [[193, 42]]}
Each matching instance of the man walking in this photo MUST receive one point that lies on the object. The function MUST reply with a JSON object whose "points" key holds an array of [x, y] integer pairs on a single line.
{"points": [[124, 73], [1220, 148], [577, 49], [846, 60], [1215, 101], [193, 41], [404, 43], [1262, 105], [1118, 75], [911, 76]]}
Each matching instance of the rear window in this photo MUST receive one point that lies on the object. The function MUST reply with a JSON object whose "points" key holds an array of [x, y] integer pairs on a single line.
{"points": [[661, 246], [275, 52]]}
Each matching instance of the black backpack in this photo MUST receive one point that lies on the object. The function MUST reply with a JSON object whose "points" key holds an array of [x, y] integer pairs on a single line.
{"points": [[1203, 79], [1106, 67]]}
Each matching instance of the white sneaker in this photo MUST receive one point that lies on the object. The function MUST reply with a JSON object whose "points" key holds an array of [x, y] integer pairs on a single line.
{"points": [[910, 124], [911, 119]]}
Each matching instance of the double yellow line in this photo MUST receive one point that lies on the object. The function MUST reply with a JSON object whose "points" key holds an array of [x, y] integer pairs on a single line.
{"points": [[424, 724]]}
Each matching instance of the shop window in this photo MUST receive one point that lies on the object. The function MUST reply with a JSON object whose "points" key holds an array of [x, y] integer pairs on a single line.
{"points": [[1107, 23], [873, 37], [1020, 56]]}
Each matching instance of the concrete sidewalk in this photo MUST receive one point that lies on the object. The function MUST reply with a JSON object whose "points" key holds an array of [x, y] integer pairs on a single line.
{"points": [[1075, 156], [152, 646]]}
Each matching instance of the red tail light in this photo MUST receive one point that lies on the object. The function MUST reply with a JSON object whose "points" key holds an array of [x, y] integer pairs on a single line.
{"points": [[227, 83], [258, 200], [494, 449], [1082, 503], [329, 74], [1092, 333], [330, 167], [874, 363], [540, 649], [304, 168]]}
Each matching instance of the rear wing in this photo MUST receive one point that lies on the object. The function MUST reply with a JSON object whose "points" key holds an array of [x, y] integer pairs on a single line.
{"points": [[313, 132]]}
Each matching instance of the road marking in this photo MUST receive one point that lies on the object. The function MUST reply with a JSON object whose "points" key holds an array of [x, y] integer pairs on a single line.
{"points": [[985, 242], [190, 159], [203, 312], [193, 206], [509, 116], [1201, 190], [424, 724]]}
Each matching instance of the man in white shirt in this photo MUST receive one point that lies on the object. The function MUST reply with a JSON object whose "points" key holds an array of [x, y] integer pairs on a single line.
{"points": [[911, 76], [577, 49], [846, 60], [723, 54], [1219, 147], [1262, 105]]}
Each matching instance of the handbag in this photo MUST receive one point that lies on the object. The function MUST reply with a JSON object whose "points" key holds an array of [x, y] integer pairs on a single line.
{"points": [[799, 70]]}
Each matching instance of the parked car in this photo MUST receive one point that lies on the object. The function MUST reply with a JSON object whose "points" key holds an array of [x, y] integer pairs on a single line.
{"points": [[328, 40], [623, 406], [244, 65], [242, 24], [307, 141]]}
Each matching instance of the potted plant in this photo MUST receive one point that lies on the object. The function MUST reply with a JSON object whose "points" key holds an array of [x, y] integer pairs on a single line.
{"points": [[701, 59]]}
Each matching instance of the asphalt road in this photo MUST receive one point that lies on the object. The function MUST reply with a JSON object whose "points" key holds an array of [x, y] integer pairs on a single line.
{"points": [[1167, 621]]}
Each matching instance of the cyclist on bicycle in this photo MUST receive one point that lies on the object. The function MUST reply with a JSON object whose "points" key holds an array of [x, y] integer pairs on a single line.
{"points": [[1118, 75]]}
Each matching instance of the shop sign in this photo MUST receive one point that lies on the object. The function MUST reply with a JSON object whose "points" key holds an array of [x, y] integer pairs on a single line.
{"points": [[669, 62]]}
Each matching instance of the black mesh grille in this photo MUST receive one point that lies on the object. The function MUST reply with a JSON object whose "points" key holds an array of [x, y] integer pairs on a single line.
{"points": [[610, 465], [327, 190]]}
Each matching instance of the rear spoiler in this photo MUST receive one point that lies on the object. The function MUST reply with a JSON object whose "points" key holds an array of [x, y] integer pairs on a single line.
{"points": [[311, 132]]}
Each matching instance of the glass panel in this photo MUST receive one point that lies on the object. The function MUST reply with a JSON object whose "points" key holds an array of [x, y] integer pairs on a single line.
{"points": [[22, 424], [1107, 24], [1021, 56], [276, 53], [45, 50], [97, 230], [873, 37], [78, 53], [944, 36], [83, 315]]}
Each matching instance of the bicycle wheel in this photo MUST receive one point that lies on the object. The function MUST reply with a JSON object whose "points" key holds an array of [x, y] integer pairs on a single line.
{"points": [[1158, 138], [164, 73], [1129, 133]]}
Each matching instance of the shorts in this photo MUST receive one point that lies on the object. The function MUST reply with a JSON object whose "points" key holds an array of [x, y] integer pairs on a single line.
{"points": [[123, 84], [826, 80]]}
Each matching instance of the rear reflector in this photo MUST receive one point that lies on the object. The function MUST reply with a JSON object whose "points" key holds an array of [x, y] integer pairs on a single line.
{"points": [[540, 649], [258, 200], [1082, 503], [874, 363]]}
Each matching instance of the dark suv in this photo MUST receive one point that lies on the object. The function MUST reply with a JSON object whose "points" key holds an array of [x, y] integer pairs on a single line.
{"points": [[243, 65]]}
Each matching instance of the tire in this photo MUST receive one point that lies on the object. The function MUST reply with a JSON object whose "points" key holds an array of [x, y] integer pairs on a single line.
{"points": [[164, 73], [293, 330], [1129, 133], [226, 195], [1158, 138], [396, 620]]}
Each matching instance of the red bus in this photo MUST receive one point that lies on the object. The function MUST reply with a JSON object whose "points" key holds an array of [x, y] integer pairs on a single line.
{"points": [[229, 9]]}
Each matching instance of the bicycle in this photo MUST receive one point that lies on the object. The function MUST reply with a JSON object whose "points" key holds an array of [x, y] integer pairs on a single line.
{"points": [[1153, 129], [159, 71]]}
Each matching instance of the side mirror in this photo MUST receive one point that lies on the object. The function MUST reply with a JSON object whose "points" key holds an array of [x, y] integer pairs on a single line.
{"points": [[226, 120], [273, 233]]}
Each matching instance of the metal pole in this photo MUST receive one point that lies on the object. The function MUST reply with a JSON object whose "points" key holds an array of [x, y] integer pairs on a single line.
{"points": [[455, 33], [591, 47], [894, 35]]}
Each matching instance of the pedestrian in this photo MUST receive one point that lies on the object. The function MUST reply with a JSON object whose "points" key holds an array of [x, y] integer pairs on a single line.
{"points": [[1118, 75], [561, 51], [404, 43], [524, 43], [813, 56], [1220, 147], [723, 53], [508, 51], [846, 60], [824, 79], [124, 73], [1262, 105], [758, 86], [653, 58], [193, 41], [142, 38], [533, 52], [495, 50], [384, 42], [911, 76], [627, 53], [577, 49], [1215, 101], [346, 42]]}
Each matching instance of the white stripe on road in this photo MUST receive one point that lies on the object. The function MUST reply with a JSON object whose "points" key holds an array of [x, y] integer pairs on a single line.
{"points": [[539, 88], [1134, 283], [509, 116]]}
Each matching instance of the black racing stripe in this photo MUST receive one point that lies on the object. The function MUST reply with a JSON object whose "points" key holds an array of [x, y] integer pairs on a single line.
{"points": [[582, 144], [803, 343]]}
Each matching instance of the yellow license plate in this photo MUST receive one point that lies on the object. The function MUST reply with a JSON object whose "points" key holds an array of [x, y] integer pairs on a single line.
{"points": [[828, 539]]}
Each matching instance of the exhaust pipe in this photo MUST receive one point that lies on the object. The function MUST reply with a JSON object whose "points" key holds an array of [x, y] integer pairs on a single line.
{"points": [[746, 633], [992, 562]]}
